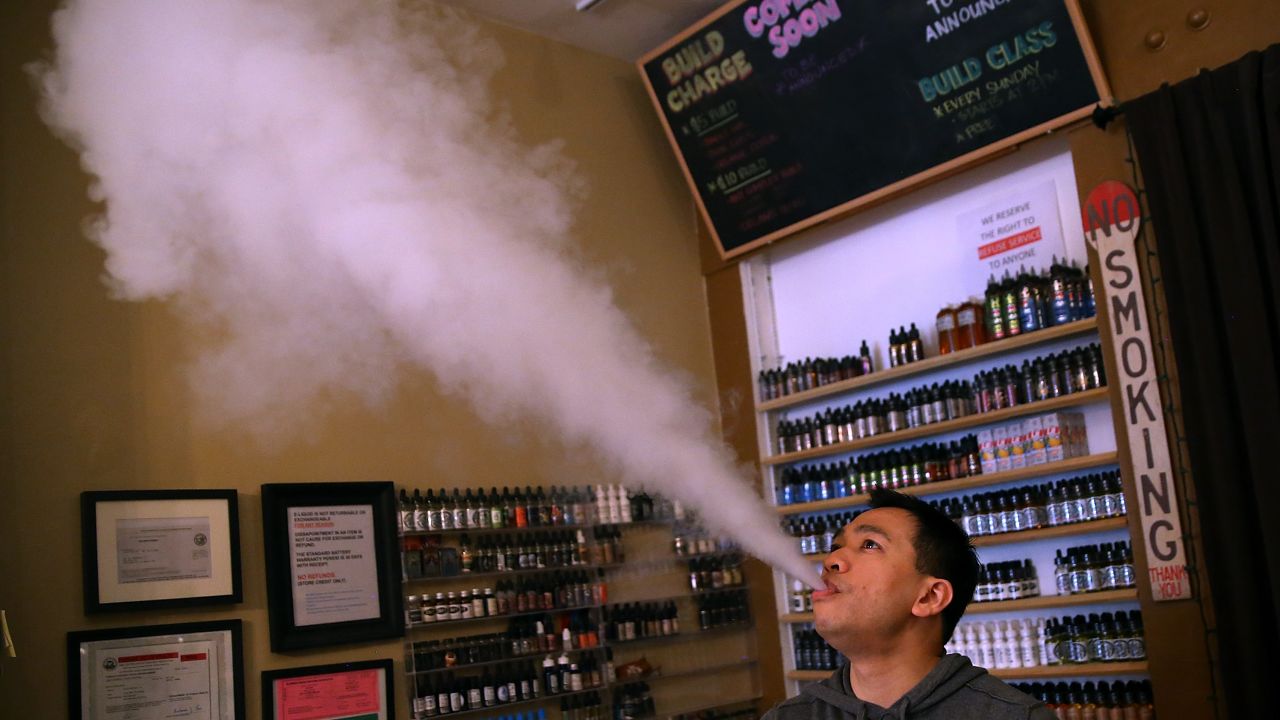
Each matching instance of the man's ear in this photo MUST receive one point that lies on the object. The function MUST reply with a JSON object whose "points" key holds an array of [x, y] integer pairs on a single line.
{"points": [[935, 595]]}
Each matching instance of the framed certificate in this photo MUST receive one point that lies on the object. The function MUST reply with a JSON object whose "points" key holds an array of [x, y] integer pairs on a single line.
{"points": [[333, 563], [159, 548], [192, 670], [346, 691]]}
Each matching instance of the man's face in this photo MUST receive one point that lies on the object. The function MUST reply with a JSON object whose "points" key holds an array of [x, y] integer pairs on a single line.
{"points": [[872, 581]]}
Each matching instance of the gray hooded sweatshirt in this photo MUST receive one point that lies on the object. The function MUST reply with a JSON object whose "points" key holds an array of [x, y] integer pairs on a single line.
{"points": [[953, 690]]}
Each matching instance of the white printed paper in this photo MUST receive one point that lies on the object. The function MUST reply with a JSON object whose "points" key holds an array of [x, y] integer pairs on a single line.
{"points": [[1019, 229], [162, 549], [334, 565], [142, 681]]}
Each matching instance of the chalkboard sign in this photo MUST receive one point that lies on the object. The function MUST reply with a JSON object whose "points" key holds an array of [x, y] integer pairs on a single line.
{"points": [[785, 113]]}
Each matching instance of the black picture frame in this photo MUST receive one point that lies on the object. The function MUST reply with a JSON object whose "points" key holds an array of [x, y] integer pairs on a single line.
{"points": [[84, 647], [116, 524], [369, 505], [271, 677]]}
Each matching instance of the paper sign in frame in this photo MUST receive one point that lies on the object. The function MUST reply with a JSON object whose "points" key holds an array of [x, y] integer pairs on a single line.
{"points": [[99, 511], [384, 666], [277, 501], [231, 659]]}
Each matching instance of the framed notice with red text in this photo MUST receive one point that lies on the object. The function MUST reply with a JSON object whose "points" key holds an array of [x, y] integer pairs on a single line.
{"points": [[344, 691], [786, 113], [333, 563]]}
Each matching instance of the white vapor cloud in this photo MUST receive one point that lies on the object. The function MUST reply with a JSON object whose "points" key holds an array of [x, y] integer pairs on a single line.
{"points": [[326, 190]]}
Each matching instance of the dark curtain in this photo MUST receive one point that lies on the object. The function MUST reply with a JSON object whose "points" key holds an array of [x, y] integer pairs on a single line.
{"points": [[1209, 150]]}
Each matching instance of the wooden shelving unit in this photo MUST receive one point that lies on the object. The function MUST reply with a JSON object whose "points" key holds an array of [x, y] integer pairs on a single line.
{"points": [[1093, 526], [424, 631], [1043, 671], [709, 706], [1070, 671], [1115, 523], [928, 365], [1070, 465], [778, 310], [971, 421], [1033, 603], [690, 672]]}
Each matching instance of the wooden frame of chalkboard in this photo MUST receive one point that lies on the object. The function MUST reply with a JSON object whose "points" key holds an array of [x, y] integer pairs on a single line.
{"points": [[784, 114]]}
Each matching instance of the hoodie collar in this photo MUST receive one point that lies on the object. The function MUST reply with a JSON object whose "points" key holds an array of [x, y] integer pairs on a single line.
{"points": [[949, 675]]}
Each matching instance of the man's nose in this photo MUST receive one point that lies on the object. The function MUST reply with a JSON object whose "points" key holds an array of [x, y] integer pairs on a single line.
{"points": [[832, 564]]}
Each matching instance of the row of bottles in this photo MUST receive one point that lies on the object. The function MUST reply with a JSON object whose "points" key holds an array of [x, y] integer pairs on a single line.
{"points": [[984, 514], [799, 597], [633, 701], [1019, 643], [812, 373], [523, 595], [1010, 645], [444, 694], [1093, 568], [960, 327], [1118, 700], [1011, 580], [528, 508], [707, 574], [1013, 305], [897, 468], [812, 652], [905, 346], [688, 541], [542, 550], [1070, 500], [1035, 642], [917, 407], [817, 533], [720, 609], [637, 621], [1096, 638], [524, 637], [496, 554], [1027, 302], [1044, 378]]}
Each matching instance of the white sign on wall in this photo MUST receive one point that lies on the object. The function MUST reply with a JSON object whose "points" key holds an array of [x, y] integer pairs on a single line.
{"points": [[334, 566], [1111, 219], [1016, 230]]}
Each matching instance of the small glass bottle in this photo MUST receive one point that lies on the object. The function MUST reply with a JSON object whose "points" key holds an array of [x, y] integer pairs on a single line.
{"points": [[947, 331]]}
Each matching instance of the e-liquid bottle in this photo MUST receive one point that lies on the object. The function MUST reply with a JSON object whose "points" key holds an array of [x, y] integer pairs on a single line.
{"points": [[1030, 311], [1059, 293], [970, 330], [1009, 304], [864, 359], [914, 347], [994, 310], [947, 321]]}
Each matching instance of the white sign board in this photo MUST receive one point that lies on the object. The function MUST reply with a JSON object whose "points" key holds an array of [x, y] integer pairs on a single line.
{"points": [[335, 570], [1016, 230], [1112, 217]]}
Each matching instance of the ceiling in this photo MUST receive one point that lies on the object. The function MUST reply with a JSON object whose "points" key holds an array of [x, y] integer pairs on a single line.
{"points": [[624, 29]]}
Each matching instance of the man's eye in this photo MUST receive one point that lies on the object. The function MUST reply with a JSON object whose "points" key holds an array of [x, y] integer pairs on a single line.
{"points": [[870, 545]]}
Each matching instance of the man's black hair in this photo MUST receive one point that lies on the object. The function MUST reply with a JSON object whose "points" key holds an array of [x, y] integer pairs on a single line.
{"points": [[942, 550]]}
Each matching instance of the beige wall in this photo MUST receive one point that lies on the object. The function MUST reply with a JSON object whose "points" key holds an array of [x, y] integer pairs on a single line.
{"points": [[93, 398]]}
